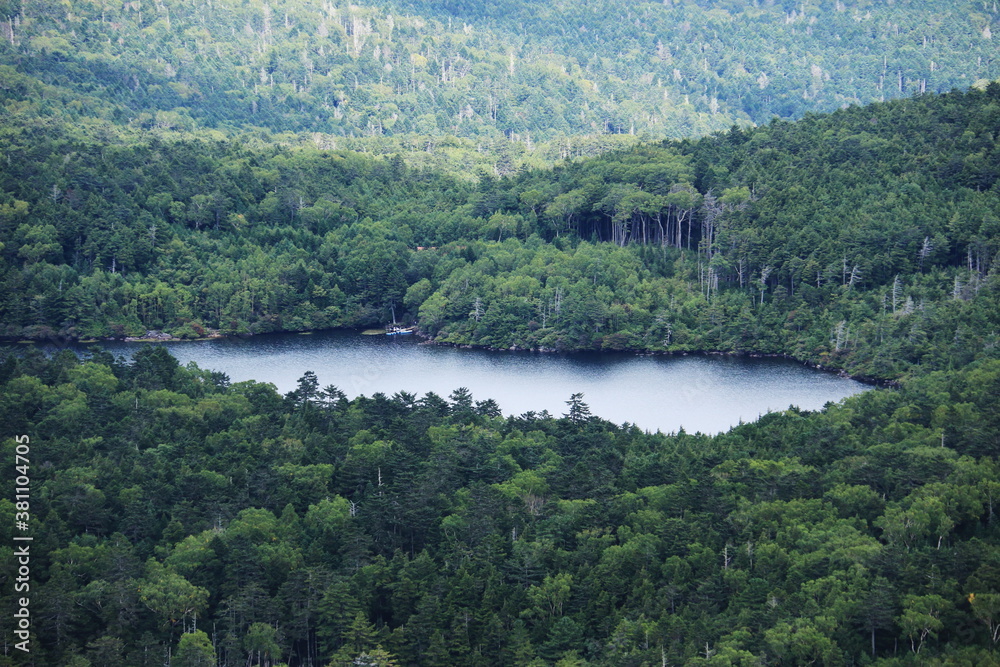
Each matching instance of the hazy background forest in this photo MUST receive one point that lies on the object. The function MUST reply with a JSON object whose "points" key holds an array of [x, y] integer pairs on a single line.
{"points": [[491, 84]]}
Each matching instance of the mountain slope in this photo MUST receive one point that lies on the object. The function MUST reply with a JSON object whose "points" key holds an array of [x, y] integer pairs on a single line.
{"points": [[530, 71]]}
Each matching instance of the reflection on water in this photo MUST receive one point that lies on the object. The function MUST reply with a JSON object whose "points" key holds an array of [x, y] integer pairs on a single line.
{"points": [[707, 394]]}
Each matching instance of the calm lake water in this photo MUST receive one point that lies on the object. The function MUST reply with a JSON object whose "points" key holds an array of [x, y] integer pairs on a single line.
{"points": [[698, 393]]}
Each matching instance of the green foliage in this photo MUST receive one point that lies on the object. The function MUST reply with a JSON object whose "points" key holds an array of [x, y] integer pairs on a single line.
{"points": [[152, 182], [397, 530], [194, 650], [458, 77], [826, 240]]}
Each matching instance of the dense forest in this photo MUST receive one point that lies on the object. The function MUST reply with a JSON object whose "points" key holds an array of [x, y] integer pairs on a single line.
{"points": [[863, 240], [493, 82], [811, 179], [181, 519]]}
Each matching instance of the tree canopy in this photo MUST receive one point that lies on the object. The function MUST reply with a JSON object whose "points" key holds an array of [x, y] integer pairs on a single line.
{"points": [[517, 174], [405, 530]]}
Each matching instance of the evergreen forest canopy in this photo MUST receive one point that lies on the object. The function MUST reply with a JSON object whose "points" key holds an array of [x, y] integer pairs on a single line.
{"points": [[252, 168], [182, 518], [864, 240]]}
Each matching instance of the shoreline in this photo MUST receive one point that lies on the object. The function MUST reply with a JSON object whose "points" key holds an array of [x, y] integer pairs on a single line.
{"points": [[865, 379], [155, 336]]}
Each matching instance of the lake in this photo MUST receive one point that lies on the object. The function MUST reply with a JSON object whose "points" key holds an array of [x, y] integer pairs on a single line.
{"points": [[699, 393]]}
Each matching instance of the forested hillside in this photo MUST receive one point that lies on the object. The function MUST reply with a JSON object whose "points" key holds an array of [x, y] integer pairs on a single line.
{"points": [[517, 80], [864, 240]]}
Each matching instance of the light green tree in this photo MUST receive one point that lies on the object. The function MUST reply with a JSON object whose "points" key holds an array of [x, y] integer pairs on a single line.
{"points": [[169, 595], [261, 645], [921, 618], [194, 650]]}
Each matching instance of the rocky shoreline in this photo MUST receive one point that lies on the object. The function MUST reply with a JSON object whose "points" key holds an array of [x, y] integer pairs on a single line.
{"points": [[153, 336]]}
